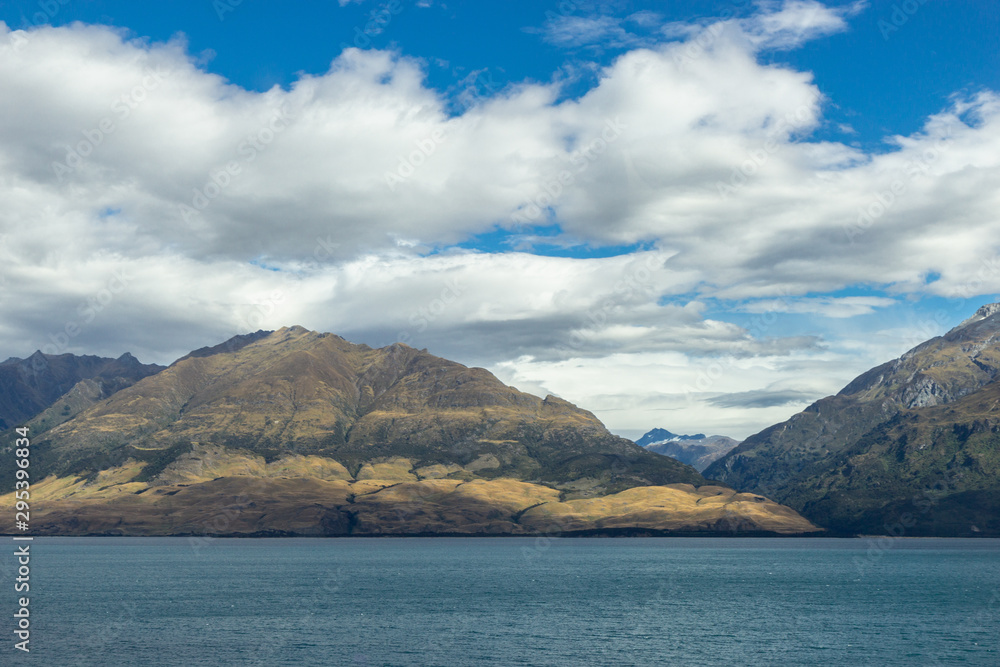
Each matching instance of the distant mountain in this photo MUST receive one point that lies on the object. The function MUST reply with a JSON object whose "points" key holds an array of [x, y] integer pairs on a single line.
{"points": [[698, 451], [910, 447], [30, 386], [657, 435], [298, 432]]}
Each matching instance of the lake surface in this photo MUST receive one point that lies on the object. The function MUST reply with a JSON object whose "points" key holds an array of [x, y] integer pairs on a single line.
{"points": [[510, 601]]}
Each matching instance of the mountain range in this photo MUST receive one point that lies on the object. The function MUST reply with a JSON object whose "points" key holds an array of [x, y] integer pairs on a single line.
{"points": [[295, 432], [911, 447], [698, 451], [29, 386]]}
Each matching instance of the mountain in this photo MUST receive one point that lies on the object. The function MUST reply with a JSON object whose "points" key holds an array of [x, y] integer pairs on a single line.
{"points": [[30, 386], [657, 435], [910, 447], [698, 451], [298, 432]]}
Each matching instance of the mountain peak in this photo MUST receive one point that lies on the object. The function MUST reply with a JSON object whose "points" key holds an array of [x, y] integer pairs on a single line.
{"points": [[306, 393], [698, 450], [658, 435], [234, 344], [655, 435], [989, 310]]}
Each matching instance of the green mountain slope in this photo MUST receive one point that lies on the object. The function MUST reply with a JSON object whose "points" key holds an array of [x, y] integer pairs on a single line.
{"points": [[910, 446]]}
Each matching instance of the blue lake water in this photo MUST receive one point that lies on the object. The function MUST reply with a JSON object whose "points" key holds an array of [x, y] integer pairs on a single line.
{"points": [[510, 601]]}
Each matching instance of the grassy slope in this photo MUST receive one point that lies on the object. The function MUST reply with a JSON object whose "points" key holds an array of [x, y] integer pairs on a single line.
{"points": [[317, 394]]}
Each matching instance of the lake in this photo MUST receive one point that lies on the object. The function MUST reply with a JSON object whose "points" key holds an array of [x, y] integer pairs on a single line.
{"points": [[510, 601]]}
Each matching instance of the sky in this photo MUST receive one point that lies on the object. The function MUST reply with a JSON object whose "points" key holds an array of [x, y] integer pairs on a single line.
{"points": [[699, 216]]}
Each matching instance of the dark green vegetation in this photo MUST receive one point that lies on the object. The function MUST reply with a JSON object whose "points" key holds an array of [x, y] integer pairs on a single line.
{"points": [[911, 447]]}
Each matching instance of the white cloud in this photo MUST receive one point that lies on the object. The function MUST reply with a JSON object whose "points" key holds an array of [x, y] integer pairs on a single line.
{"points": [[828, 306], [683, 393], [694, 148], [604, 32], [796, 21]]}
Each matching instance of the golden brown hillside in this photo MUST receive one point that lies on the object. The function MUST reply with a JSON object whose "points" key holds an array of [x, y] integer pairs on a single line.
{"points": [[311, 497], [298, 432], [297, 391]]}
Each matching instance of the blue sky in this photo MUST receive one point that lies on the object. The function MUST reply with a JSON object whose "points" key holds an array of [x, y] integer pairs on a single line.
{"points": [[695, 216], [883, 78]]}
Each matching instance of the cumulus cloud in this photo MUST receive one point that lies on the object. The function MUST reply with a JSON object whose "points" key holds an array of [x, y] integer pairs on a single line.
{"points": [[337, 203]]}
